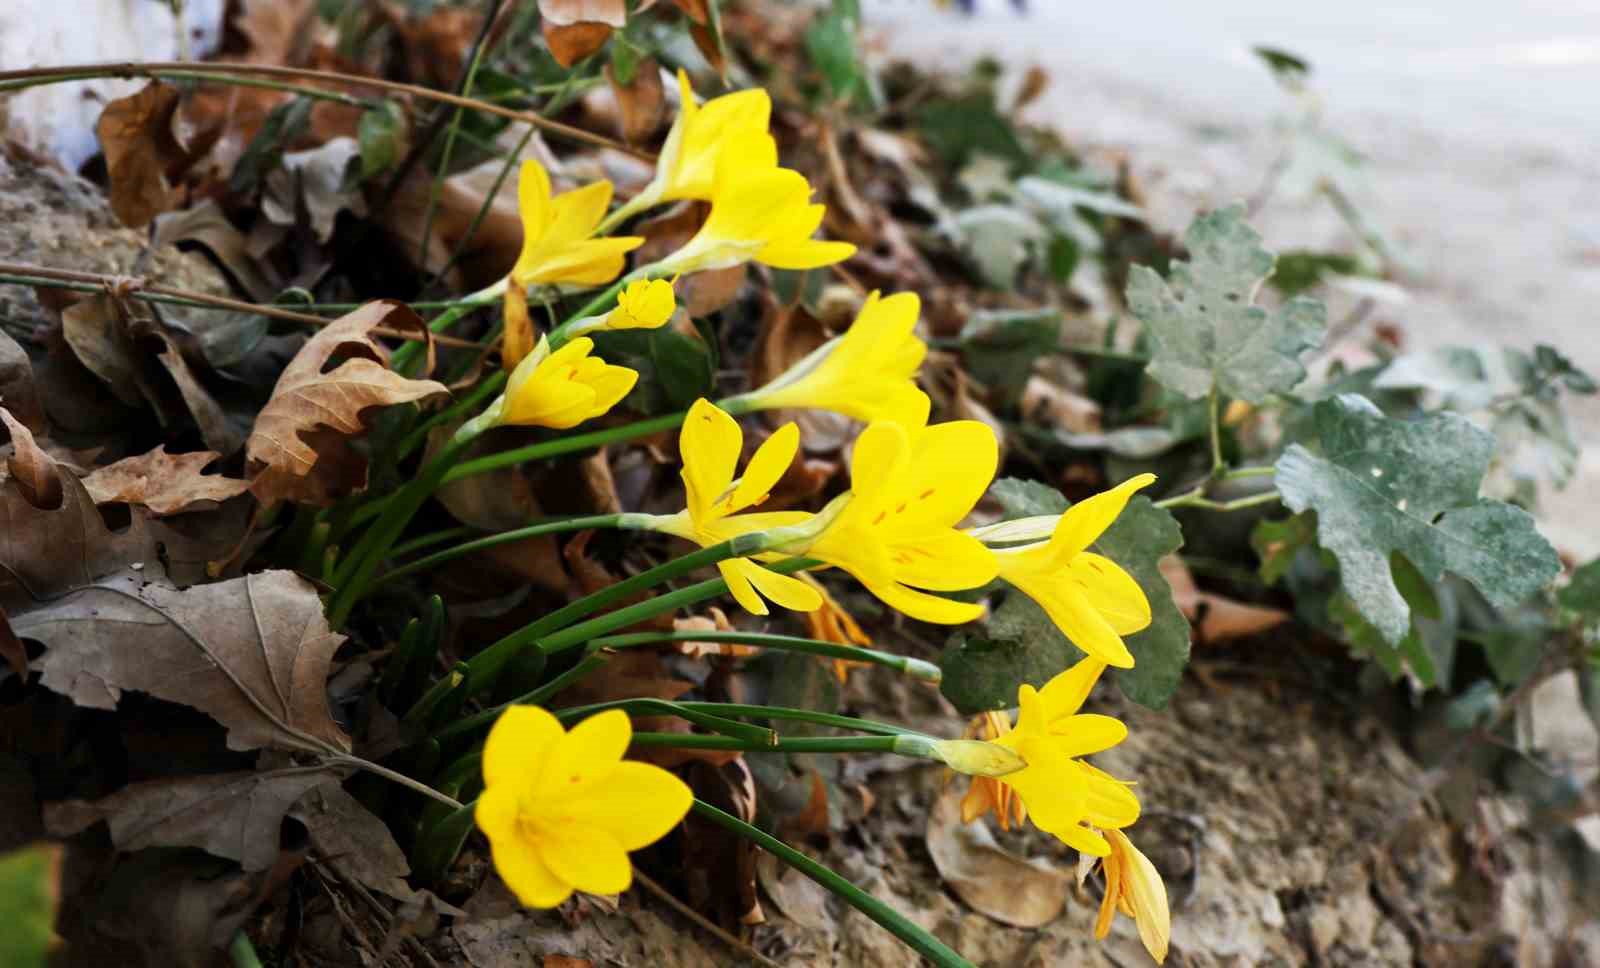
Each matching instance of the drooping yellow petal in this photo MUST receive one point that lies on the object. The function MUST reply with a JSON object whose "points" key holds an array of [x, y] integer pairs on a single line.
{"points": [[1147, 893], [1085, 521], [924, 607], [1086, 733], [784, 590], [521, 738], [736, 572], [1065, 693], [588, 858], [1115, 594], [637, 805]]}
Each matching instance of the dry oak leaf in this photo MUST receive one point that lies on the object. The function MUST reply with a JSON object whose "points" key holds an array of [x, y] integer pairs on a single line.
{"points": [[165, 483], [136, 134], [32, 469], [233, 815], [574, 42], [350, 839], [17, 389], [283, 463], [1216, 618], [991, 880]]}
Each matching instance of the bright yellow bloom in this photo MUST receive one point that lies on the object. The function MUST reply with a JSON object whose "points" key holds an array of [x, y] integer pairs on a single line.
{"points": [[1060, 792], [1134, 887], [562, 810], [988, 794], [868, 373], [645, 304], [760, 214], [831, 623], [556, 390], [910, 488], [1089, 597], [709, 445], [701, 135], [556, 243]]}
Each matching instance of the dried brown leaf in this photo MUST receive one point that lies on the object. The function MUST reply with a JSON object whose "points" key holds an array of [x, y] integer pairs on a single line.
{"points": [[32, 469], [233, 815], [348, 837], [219, 433], [1216, 618], [165, 483], [992, 881], [641, 104], [18, 393], [287, 465], [279, 31], [136, 135], [206, 224], [96, 330], [573, 42]]}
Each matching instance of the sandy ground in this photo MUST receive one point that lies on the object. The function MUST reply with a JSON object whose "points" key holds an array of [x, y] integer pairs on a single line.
{"points": [[1479, 127]]}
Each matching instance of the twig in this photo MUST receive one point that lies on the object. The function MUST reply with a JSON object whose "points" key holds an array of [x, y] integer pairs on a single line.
{"points": [[727, 938], [156, 69], [21, 273]]}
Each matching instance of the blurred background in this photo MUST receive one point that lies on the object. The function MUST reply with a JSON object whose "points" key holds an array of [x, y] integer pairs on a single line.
{"points": [[1476, 124]]}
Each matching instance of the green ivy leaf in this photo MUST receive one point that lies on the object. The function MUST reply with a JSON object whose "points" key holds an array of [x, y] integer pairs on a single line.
{"points": [[1025, 499], [981, 672], [1582, 593], [1383, 486], [30, 887], [1141, 536], [674, 368], [999, 347], [1277, 543], [1203, 331]]}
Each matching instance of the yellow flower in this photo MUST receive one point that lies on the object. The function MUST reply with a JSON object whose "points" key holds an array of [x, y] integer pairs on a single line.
{"points": [[831, 623], [556, 390], [645, 304], [988, 794], [762, 214], [562, 810], [1059, 791], [898, 534], [517, 342], [701, 135], [710, 444], [1089, 597], [868, 373], [556, 243], [1134, 887]]}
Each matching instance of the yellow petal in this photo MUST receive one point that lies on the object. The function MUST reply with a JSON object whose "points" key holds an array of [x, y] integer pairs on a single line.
{"points": [[1108, 802], [1087, 733], [804, 254], [766, 467], [944, 561], [1051, 790], [1088, 519], [1083, 840], [645, 304], [517, 746], [533, 202], [588, 858], [784, 590], [517, 859], [925, 607], [1112, 591], [1113, 869], [592, 262], [637, 805], [1149, 896], [709, 446], [1064, 694], [736, 572], [1075, 616], [585, 756], [576, 213]]}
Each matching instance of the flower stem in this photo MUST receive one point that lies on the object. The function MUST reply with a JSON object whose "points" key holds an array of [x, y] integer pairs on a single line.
{"points": [[799, 715], [534, 698], [563, 445], [896, 923], [1195, 498], [243, 953], [1214, 408], [917, 668], [494, 540], [793, 744], [352, 576]]}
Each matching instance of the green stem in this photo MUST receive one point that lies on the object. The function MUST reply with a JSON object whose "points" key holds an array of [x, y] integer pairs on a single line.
{"points": [[1194, 499], [358, 568], [405, 356], [1240, 473], [486, 665], [896, 923], [494, 540], [731, 709], [429, 540], [791, 744], [243, 953], [535, 698], [468, 404], [563, 445], [917, 668], [1214, 407], [759, 737]]}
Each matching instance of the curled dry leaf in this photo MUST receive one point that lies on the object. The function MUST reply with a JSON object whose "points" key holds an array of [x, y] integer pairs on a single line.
{"points": [[206, 225], [992, 881], [141, 149], [96, 329], [32, 469], [800, 899], [233, 815], [641, 103], [165, 483], [1216, 618], [574, 42], [300, 447]]}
